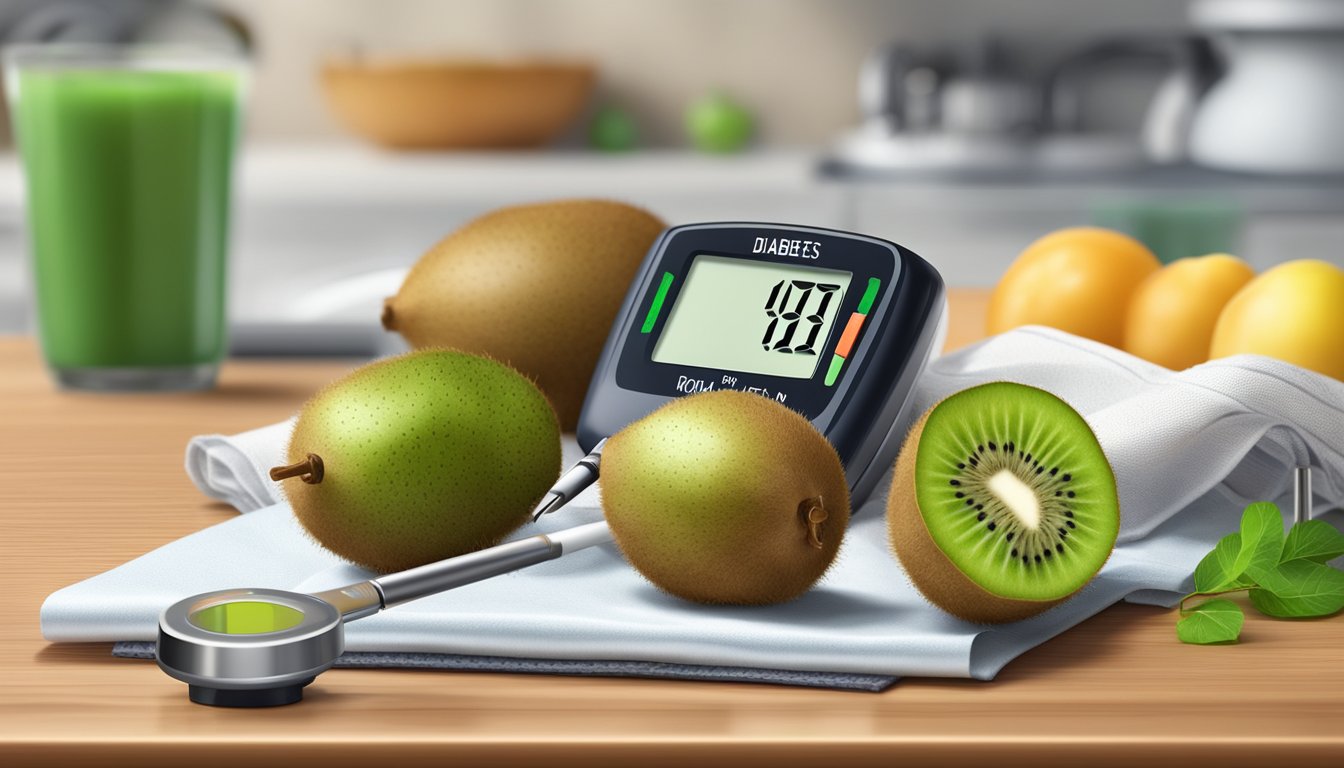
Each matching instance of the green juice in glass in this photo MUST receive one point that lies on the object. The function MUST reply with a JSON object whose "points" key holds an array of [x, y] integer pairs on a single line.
{"points": [[128, 169]]}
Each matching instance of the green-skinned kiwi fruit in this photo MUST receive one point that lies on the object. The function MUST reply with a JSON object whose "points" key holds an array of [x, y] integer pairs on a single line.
{"points": [[725, 498], [415, 458], [1003, 503], [536, 286]]}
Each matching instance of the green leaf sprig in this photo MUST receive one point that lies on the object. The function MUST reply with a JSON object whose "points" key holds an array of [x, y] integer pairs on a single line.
{"points": [[1286, 576]]}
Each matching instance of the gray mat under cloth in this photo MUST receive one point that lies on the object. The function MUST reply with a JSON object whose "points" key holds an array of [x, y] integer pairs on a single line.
{"points": [[139, 649]]}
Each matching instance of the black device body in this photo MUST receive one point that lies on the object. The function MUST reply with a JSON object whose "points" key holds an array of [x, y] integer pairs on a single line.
{"points": [[895, 298]]}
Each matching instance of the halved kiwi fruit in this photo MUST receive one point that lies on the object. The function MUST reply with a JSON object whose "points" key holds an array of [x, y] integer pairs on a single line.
{"points": [[1003, 503]]}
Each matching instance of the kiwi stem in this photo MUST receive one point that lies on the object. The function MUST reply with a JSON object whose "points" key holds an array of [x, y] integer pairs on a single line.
{"points": [[389, 317], [1183, 610], [309, 470], [814, 514]]}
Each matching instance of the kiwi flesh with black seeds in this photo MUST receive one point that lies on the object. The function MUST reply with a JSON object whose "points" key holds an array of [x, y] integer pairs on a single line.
{"points": [[1003, 503]]}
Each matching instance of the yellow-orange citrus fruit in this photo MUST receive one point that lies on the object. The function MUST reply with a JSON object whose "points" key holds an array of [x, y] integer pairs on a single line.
{"points": [[1172, 315], [1078, 280], [1294, 312]]}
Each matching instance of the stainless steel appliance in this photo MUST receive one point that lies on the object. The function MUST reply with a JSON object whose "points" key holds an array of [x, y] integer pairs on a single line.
{"points": [[1279, 108], [934, 110]]}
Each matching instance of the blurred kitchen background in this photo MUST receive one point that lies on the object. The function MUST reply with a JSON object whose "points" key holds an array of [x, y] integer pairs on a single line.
{"points": [[962, 129]]}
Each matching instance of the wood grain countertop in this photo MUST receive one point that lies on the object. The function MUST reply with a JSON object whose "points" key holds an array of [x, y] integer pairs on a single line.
{"points": [[90, 481]]}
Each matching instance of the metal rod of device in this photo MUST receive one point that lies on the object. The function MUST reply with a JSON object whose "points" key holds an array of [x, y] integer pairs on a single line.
{"points": [[572, 483], [1302, 494], [354, 601], [458, 571], [465, 569]]}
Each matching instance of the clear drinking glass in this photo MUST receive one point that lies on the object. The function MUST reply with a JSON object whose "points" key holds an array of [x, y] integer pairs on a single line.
{"points": [[127, 154]]}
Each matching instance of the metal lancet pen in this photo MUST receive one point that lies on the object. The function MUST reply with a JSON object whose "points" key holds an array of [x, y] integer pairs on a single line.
{"points": [[578, 477]]}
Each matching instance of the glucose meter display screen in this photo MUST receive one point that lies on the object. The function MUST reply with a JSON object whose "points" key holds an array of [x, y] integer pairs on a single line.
{"points": [[752, 316]]}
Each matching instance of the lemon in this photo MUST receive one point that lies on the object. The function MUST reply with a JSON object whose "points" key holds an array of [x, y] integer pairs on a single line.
{"points": [[1294, 312]]}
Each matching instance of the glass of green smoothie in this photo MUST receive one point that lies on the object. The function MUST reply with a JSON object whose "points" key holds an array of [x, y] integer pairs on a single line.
{"points": [[128, 154]]}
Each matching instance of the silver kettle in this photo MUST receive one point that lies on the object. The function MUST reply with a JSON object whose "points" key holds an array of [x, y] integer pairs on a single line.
{"points": [[1192, 64], [1280, 105]]}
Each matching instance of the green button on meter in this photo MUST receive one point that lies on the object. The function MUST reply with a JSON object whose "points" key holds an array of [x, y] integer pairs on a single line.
{"points": [[651, 318], [869, 295], [833, 373]]}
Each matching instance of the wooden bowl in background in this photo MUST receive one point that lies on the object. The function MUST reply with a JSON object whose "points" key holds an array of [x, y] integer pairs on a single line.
{"points": [[456, 103]]}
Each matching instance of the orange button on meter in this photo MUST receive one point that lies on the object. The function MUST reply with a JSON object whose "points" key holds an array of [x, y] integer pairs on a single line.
{"points": [[851, 333]]}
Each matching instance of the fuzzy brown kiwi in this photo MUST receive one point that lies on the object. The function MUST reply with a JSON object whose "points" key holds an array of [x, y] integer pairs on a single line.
{"points": [[726, 498], [536, 286], [419, 457]]}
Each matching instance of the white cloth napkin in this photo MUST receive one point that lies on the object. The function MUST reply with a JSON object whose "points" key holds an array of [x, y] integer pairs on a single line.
{"points": [[234, 468], [1189, 450]]}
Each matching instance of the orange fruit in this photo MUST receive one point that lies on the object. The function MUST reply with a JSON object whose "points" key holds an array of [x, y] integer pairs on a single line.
{"points": [[1078, 280], [1172, 315], [1294, 312]]}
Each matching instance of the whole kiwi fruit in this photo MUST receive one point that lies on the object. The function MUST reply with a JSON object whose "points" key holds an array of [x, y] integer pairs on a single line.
{"points": [[415, 458], [725, 497], [1003, 503], [536, 286]]}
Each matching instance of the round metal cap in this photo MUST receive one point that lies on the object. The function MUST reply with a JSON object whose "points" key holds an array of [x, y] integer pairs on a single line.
{"points": [[265, 641]]}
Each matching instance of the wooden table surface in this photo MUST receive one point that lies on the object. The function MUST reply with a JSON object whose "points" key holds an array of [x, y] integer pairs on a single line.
{"points": [[90, 481]]}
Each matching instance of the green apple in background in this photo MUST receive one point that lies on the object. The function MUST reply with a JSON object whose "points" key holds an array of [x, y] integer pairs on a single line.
{"points": [[613, 130], [716, 123]]}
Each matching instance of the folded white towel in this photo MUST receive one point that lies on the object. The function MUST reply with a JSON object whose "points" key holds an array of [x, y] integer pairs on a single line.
{"points": [[1198, 443], [234, 468]]}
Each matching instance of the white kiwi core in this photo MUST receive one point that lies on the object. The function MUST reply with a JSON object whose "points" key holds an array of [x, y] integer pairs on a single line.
{"points": [[1017, 497]]}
